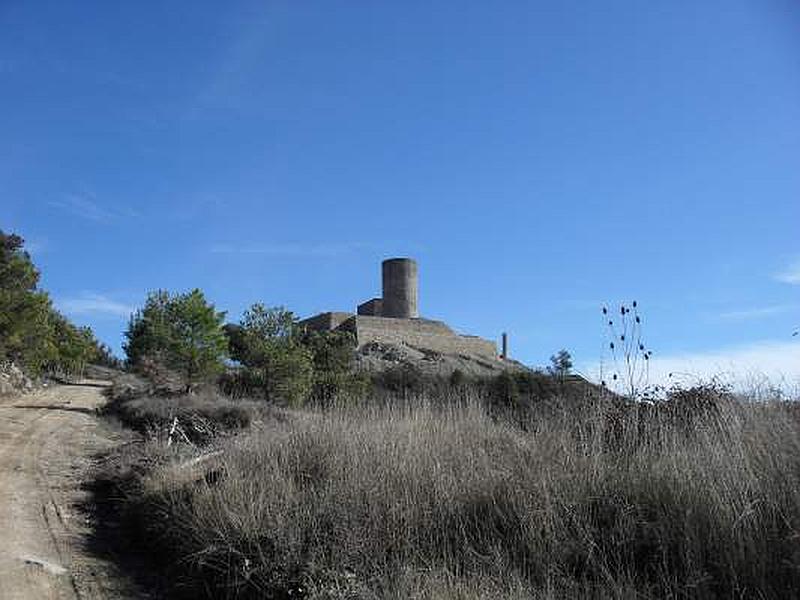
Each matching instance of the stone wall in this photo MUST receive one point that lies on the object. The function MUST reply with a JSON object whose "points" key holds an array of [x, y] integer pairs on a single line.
{"points": [[326, 321], [418, 333], [371, 308]]}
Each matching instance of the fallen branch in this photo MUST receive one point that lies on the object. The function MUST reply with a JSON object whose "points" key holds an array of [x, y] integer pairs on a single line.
{"points": [[176, 428]]}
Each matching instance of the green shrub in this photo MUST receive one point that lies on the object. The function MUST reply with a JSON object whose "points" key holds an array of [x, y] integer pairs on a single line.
{"points": [[276, 363], [182, 331], [334, 376]]}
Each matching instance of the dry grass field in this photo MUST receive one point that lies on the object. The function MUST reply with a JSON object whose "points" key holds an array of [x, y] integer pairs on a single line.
{"points": [[697, 498]]}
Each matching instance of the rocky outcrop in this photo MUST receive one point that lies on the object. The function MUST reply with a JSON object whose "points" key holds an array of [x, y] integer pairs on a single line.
{"points": [[376, 356], [13, 380]]}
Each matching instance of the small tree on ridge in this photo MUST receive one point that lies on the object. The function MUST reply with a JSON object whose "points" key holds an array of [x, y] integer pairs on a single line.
{"points": [[560, 365], [184, 332]]}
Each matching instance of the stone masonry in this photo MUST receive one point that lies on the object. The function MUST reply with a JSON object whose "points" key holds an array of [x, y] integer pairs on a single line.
{"points": [[393, 319]]}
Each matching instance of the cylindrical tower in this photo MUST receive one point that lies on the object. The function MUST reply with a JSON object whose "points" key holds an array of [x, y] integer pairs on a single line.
{"points": [[400, 288]]}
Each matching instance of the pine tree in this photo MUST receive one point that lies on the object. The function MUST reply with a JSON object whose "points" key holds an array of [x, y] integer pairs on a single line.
{"points": [[183, 332], [560, 365]]}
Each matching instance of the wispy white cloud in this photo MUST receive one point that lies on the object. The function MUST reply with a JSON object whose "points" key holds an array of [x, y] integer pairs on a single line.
{"points": [[291, 250], [231, 73], [90, 303], [791, 274], [776, 361], [758, 313], [86, 206]]}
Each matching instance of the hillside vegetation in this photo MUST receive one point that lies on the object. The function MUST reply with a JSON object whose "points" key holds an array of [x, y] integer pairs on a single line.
{"points": [[698, 497], [288, 473], [33, 334]]}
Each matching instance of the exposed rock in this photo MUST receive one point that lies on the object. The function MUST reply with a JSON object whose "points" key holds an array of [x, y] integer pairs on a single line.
{"points": [[379, 356], [13, 380]]}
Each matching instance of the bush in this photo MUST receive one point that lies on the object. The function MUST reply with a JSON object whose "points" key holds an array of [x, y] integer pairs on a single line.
{"points": [[406, 381], [332, 357], [267, 344], [181, 332], [201, 417]]}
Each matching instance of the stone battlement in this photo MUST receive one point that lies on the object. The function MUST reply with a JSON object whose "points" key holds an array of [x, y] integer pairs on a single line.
{"points": [[327, 321]]}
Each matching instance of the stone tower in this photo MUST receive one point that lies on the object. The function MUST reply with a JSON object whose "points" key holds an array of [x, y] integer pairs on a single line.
{"points": [[400, 288]]}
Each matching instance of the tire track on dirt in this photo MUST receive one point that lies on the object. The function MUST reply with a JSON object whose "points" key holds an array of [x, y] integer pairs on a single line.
{"points": [[47, 444]]}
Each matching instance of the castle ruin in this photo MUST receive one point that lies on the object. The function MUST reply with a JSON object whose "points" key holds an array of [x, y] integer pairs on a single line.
{"points": [[394, 318]]}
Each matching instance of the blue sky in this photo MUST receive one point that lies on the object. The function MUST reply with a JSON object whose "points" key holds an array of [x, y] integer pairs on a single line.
{"points": [[539, 159]]}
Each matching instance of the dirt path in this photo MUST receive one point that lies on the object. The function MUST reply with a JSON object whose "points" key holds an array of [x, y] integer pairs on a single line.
{"points": [[47, 444]]}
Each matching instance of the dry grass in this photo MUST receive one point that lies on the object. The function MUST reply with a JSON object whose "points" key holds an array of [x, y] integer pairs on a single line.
{"points": [[199, 417], [699, 500]]}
